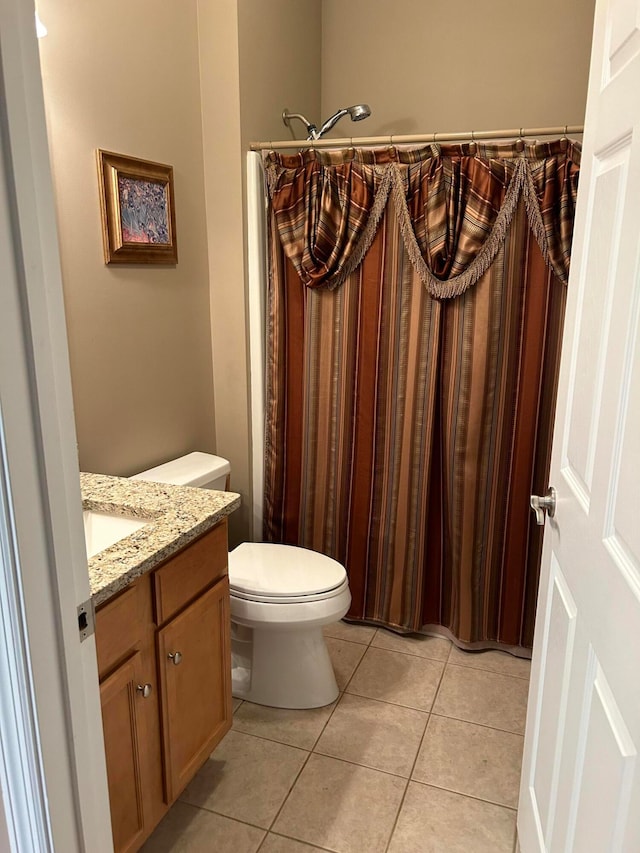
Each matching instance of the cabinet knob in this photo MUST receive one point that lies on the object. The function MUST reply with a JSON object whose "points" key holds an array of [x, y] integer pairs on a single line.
{"points": [[145, 690], [176, 657]]}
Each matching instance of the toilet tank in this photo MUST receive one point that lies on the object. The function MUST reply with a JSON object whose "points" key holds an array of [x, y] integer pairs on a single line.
{"points": [[203, 470]]}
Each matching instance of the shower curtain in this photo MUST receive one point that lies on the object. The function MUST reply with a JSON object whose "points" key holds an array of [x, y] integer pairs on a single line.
{"points": [[415, 308]]}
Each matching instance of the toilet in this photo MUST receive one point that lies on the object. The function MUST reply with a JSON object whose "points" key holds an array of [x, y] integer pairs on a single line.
{"points": [[281, 597]]}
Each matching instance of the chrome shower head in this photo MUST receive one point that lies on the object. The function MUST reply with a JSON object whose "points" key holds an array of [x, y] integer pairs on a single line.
{"points": [[359, 111], [355, 113]]}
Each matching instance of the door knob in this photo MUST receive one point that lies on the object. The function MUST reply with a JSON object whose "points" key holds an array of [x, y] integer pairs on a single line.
{"points": [[540, 505], [175, 658], [144, 690]]}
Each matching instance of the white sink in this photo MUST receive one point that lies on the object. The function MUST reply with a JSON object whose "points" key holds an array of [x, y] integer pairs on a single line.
{"points": [[102, 529]]}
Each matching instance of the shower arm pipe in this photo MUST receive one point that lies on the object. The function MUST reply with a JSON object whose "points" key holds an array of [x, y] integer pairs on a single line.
{"points": [[420, 138]]}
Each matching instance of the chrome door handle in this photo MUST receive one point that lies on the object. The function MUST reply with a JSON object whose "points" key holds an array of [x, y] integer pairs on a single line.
{"points": [[144, 690], [175, 658], [547, 504]]}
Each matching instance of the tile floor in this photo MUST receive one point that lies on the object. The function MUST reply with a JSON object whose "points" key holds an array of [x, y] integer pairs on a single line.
{"points": [[420, 753]]}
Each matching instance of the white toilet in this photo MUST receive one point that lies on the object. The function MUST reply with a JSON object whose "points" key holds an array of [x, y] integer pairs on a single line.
{"points": [[281, 596]]}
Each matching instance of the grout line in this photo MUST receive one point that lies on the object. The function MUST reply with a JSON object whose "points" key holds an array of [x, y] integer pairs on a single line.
{"points": [[483, 669], [344, 640], [338, 701], [351, 677], [513, 809], [412, 654], [394, 704], [474, 723], [385, 702], [220, 814], [364, 766], [291, 838], [272, 740], [288, 794], [293, 784], [413, 766]]}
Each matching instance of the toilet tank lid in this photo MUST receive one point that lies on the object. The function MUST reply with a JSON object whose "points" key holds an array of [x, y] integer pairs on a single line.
{"points": [[194, 469]]}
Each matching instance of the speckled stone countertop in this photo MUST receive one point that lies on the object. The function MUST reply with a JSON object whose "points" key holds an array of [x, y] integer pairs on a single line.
{"points": [[176, 514]]}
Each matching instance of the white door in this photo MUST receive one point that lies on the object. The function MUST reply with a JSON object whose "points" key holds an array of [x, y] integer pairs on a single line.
{"points": [[53, 781], [581, 776]]}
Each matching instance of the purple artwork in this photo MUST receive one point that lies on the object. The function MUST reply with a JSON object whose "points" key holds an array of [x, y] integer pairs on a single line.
{"points": [[143, 211]]}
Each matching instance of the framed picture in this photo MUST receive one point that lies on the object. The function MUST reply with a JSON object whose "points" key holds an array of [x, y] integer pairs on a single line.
{"points": [[138, 212]]}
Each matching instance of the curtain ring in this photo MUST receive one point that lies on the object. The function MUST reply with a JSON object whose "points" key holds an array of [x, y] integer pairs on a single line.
{"points": [[472, 145]]}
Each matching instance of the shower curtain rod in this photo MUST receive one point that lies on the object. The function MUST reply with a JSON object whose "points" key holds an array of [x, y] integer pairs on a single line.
{"points": [[418, 139]]}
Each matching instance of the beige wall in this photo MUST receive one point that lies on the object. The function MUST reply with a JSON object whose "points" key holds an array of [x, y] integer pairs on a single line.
{"points": [[253, 57], [427, 67], [280, 52], [218, 45], [124, 76]]}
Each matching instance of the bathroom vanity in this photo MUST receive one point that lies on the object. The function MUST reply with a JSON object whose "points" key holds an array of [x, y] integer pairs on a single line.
{"points": [[161, 596]]}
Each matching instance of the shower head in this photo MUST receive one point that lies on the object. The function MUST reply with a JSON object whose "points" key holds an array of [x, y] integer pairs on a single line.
{"points": [[359, 111], [355, 113]]}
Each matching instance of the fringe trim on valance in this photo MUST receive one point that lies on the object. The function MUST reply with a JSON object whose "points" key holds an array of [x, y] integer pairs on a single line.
{"points": [[455, 286], [370, 230], [536, 224], [392, 182]]}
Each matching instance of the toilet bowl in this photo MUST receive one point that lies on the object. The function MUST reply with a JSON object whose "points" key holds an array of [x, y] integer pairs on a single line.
{"points": [[281, 596]]}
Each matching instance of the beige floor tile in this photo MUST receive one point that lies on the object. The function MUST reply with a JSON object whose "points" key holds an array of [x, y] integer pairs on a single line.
{"points": [[278, 844], [297, 728], [435, 821], [471, 759], [345, 657], [246, 778], [341, 806], [186, 829], [436, 648], [494, 661], [394, 677], [347, 631], [236, 704], [483, 697], [378, 735]]}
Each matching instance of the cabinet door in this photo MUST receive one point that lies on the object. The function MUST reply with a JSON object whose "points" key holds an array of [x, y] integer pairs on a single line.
{"points": [[124, 741], [194, 658]]}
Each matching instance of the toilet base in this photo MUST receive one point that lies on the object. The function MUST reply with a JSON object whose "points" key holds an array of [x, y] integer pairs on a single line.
{"points": [[282, 669]]}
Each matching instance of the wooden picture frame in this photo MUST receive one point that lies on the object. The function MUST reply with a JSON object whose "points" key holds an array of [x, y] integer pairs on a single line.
{"points": [[138, 210]]}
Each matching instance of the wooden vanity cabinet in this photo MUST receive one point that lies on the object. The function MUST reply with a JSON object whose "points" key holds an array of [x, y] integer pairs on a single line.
{"points": [[195, 685], [164, 660], [124, 737]]}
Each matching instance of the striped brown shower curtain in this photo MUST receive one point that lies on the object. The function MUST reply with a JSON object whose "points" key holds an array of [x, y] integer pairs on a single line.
{"points": [[415, 310]]}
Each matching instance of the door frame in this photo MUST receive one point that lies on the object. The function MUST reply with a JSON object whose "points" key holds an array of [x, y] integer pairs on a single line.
{"points": [[53, 778]]}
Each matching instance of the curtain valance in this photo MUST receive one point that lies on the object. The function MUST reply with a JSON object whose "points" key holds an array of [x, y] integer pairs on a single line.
{"points": [[454, 204]]}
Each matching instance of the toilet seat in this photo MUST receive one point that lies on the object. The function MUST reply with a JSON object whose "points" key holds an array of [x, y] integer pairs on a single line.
{"points": [[268, 572], [289, 599]]}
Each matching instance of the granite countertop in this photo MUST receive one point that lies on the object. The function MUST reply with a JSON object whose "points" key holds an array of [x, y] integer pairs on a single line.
{"points": [[176, 514]]}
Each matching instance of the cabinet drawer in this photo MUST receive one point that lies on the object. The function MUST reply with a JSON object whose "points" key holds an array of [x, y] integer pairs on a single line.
{"points": [[190, 572], [118, 628]]}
